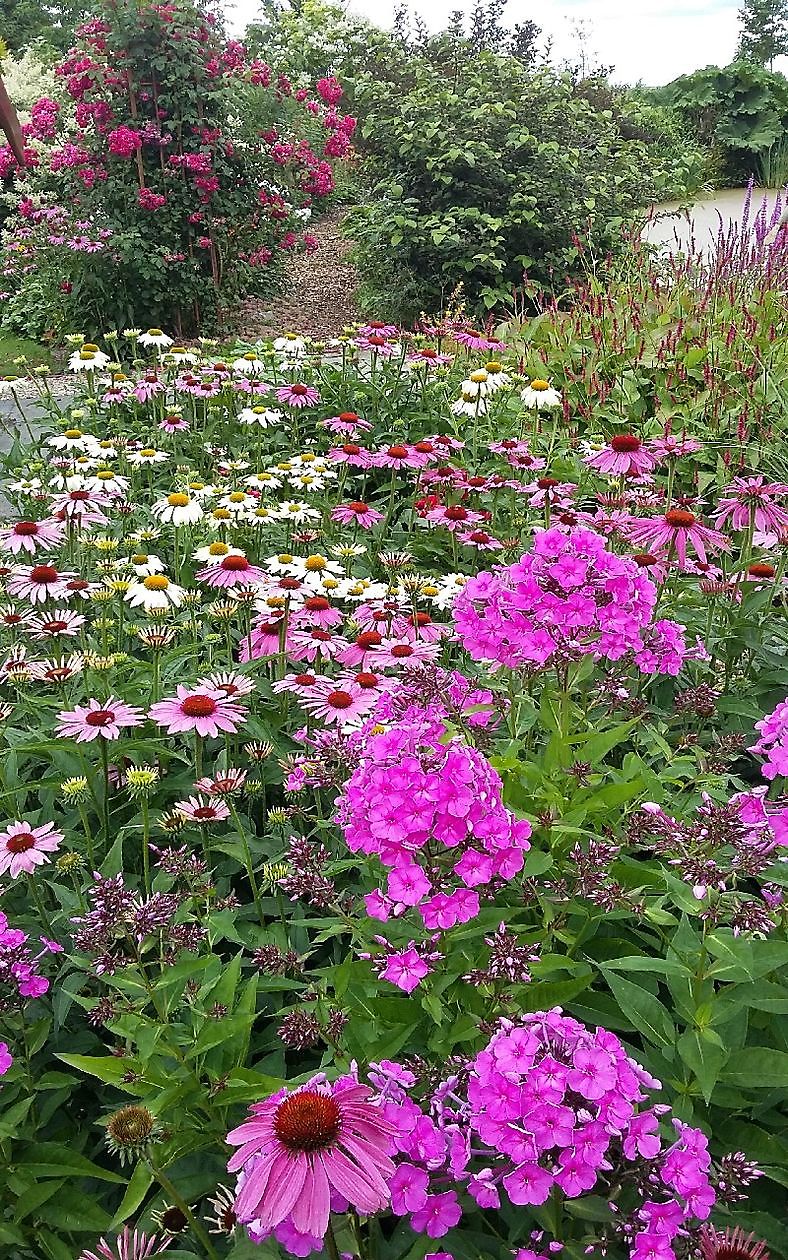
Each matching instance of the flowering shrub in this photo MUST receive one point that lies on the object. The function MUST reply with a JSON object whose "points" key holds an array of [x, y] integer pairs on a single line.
{"points": [[361, 769], [146, 193]]}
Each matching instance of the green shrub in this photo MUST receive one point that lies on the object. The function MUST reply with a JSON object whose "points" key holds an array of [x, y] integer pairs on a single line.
{"points": [[481, 168]]}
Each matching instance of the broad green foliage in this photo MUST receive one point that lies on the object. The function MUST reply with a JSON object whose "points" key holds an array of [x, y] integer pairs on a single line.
{"points": [[738, 111]]}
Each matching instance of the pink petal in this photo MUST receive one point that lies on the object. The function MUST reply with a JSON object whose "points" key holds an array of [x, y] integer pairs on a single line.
{"points": [[365, 1189], [311, 1212]]}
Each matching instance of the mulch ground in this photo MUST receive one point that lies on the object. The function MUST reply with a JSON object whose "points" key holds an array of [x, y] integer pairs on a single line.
{"points": [[317, 298]]}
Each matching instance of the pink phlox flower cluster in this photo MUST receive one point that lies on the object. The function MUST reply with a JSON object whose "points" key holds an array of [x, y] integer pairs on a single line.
{"points": [[19, 974], [570, 596], [773, 741], [417, 793], [549, 1106]]}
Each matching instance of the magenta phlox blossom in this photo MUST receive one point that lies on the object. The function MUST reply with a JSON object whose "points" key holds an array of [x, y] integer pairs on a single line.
{"points": [[773, 741], [570, 594], [415, 792], [548, 1107], [20, 977]]}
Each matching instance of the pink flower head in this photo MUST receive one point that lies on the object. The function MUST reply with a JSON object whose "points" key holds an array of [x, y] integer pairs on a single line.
{"points": [[337, 705], [207, 712], [356, 513], [105, 718], [31, 536], [624, 456], [673, 532], [6, 1059], [300, 1147], [231, 570], [41, 582], [24, 847], [753, 501], [130, 1245], [298, 395]]}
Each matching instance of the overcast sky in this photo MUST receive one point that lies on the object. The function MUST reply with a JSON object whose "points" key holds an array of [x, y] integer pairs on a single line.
{"points": [[652, 40]]}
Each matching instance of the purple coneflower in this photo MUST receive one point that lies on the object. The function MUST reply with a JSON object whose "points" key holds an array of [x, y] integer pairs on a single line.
{"points": [[624, 456], [299, 1147], [31, 536], [60, 622], [232, 570], [128, 1246], [23, 847], [356, 513], [750, 500], [298, 395], [672, 532], [105, 718], [202, 810], [41, 582], [206, 712], [338, 705], [733, 1244]]}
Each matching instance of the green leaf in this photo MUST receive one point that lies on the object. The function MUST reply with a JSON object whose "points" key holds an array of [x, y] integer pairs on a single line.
{"points": [[758, 1067], [110, 1070], [139, 1185], [645, 1012], [705, 1056], [51, 1159]]}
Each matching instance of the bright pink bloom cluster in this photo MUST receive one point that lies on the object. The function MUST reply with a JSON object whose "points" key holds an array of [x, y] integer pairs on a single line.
{"points": [[123, 142], [431, 809], [19, 974], [548, 1106], [773, 742], [570, 596]]}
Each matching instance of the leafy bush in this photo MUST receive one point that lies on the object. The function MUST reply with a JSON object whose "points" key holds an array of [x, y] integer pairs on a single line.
{"points": [[738, 112], [481, 169], [149, 168]]}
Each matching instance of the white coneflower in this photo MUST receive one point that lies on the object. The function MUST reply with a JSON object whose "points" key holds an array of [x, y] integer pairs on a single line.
{"points": [[291, 345], [215, 552], [249, 365], [88, 359], [155, 337], [148, 455], [540, 394], [155, 591], [264, 417], [297, 512], [177, 509], [72, 440], [145, 564], [263, 481], [497, 378], [469, 405]]}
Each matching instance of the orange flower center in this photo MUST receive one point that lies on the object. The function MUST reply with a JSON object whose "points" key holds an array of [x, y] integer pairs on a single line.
{"points": [[679, 519], [339, 700], [43, 573], [307, 1121], [198, 706], [100, 717]]}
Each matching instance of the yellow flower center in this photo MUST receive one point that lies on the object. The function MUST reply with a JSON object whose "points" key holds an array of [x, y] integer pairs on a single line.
{"points": [[89, 348], [479, 376], [87, 356], [156, 582], [237, 496], [308, 457], [147, 452], [196, 485], [539, 385], [492, 367], [250, 357], [139, 559], [285, 558], [222, 514], [315, 563], [73, 433], [259, 411], [105, 474], [154, 332], [218, 549], [178, 500]]}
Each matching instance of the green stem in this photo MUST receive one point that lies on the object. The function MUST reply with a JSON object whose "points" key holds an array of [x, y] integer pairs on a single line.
{"points": [[331, 1242], [179, 1201], [146, 844]]}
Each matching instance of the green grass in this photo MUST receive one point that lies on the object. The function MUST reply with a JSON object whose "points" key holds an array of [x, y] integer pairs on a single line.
{"points": [[14, 347]]}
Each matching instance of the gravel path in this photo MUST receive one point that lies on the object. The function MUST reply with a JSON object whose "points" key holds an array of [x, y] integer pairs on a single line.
{"points": [[317, 299]]}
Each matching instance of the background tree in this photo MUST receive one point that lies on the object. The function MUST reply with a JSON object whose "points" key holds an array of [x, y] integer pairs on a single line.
{"points": [[764, 31]]}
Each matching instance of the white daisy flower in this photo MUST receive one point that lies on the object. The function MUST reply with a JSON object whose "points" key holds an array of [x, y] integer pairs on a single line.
{"points": [[154, 337], [264, 417], [88, 359], [249, 365], [292, 510], [148, 455], [291, 344], [177, 509], [155, 591], [540, 394], [144, 564], [215, 552]]}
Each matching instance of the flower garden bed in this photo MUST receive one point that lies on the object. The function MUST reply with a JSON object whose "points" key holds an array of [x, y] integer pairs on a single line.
{"points": [[380, 753]]}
